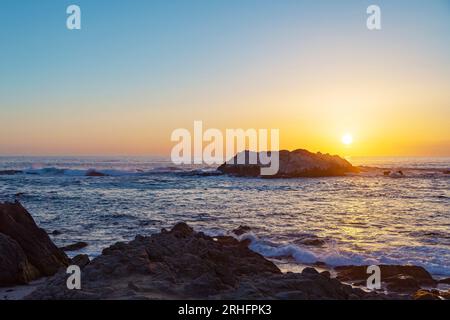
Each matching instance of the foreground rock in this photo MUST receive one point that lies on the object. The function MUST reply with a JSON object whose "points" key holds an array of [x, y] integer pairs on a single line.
{"points": [[26, 251], [431, 295], [14, 265], [183, 264], [292, 164], [396, 278]]}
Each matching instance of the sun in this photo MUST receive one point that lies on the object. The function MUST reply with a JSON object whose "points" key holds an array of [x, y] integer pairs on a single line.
{"points": [[347, 139]]}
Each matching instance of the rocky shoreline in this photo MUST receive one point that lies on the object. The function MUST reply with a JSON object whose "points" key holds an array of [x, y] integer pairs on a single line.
{"points": [[184, 264]]}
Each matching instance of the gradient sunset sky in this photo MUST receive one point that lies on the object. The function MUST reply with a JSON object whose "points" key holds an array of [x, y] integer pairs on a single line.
{"points": [[140, 69]]}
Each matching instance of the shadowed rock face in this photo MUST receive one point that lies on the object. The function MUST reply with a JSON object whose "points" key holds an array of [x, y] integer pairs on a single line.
{"points": [[14, 265], [26, 250], [396, 277], [183, 264], [292, 164]]}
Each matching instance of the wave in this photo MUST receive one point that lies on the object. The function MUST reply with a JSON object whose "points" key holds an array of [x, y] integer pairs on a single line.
{"points": [[55, 171]]}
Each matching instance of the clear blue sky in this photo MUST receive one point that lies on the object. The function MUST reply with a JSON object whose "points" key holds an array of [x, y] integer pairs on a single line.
{"points": [[136, 58]]}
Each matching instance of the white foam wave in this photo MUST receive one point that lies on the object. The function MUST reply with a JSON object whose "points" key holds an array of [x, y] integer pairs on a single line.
{"points": [[55, 171]]}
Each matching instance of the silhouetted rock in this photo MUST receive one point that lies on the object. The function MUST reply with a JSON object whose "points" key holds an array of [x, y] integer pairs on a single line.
{"points": [[446, 281], [81, 260], [39, 250], [184, 264], [298, 163], [75, 246], [9, 172], [94, 173], [14, 265]]}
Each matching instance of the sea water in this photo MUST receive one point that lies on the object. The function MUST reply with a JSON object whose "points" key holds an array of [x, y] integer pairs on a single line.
{"points": [[362, 219]]}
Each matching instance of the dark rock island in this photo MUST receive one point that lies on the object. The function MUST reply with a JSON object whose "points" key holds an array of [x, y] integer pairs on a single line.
{"points": [[292, 164]]}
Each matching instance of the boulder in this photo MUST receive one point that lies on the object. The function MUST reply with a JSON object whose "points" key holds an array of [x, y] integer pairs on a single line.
{"points": [[445, 280], [292, 164], [94, 173], [81, 260], [40, 251], [75, 246], [9, 172], [14, 265], [397, 277]]}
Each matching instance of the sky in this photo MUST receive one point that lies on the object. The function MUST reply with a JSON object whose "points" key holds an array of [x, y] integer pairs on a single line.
{"points": [[137, 70]]}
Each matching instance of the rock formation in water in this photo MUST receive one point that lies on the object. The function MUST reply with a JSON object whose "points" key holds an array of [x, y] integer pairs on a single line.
{"points": [[292, 164]]}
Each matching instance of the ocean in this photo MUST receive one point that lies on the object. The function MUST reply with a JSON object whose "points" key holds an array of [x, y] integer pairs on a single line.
{"points": [[358, 219]]}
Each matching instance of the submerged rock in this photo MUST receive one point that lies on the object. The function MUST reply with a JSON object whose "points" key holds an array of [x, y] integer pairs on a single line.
{"points": [[9, 172], [241, 230], [184, 264], [396, 174], [311, 240], [94, 173], [75, 246], [55, 233], [26, 248], [298, 163]]}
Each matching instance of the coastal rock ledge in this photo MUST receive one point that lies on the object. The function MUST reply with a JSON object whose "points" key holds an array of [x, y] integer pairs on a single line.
{"points": [[184, 264], [292, 164]]}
